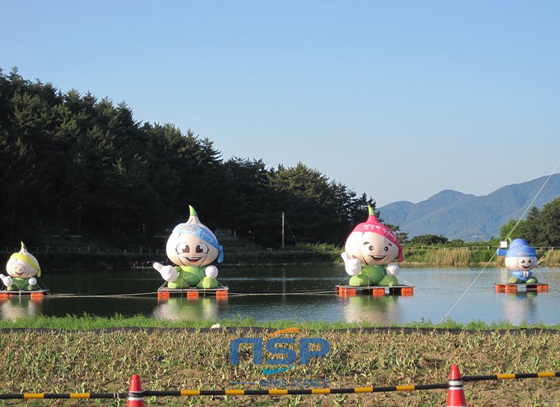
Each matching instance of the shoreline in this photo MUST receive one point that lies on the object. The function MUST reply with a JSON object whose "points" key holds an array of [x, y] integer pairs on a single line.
{"points": [[55, 261]]}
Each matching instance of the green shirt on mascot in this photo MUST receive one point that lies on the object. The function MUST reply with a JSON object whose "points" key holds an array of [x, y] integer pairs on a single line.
{"points": [[192, 247], [369, 253]]}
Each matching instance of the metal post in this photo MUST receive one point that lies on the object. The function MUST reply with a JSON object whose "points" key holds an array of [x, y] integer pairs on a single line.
{"points": [[282, 230]]}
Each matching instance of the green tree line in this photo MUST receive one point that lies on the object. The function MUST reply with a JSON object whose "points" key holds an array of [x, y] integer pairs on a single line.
{"points": [[541, 228], [73, 164]]}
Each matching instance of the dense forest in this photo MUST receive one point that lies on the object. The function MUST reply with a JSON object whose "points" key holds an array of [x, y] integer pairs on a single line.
{"points": [[540, 228], [75, 165]]}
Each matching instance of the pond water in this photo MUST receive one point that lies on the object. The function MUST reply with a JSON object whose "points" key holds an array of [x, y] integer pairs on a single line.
{"points": [[298, 293]]}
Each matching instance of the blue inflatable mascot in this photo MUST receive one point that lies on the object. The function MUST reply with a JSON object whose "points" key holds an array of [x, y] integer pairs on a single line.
{"points": [[521, 259]]}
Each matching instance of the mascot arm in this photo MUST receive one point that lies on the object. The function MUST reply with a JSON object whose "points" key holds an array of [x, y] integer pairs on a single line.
{"points": [[32, 281], [352, 266], [211, 271], [7, 280], [168, 273], [392, 269]]}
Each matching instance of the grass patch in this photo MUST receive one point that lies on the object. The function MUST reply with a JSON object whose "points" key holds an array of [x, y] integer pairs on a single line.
{"points": [[552, 258], [92, 322], [448, 256], [453, 257]]}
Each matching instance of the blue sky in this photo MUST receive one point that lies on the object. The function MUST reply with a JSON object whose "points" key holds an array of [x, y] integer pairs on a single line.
{"points": [[397, 99]]}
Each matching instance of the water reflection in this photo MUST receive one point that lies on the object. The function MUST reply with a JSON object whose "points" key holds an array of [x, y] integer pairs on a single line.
{"points": [[520, 307], [366, 308], [299, 293], [176, 309], [17, 307]]}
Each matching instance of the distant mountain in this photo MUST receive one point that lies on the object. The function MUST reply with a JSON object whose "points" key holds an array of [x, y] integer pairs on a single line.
{"points": [[460, 216]]}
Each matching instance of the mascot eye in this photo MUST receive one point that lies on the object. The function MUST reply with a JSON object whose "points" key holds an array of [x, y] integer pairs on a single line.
{"points": [[522, 261], [386, 248], [201, 248], [370, 248], [183, 248]]}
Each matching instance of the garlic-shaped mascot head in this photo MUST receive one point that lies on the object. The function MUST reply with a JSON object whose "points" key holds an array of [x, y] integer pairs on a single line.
{"points": [[373, 243], [193, 244], [520, 256], [23, 264]]}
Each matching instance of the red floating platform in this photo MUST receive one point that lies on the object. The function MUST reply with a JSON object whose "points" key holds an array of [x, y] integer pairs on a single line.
{"points": [[515, 288], [220, 293], [376, 291], [33, 295]]}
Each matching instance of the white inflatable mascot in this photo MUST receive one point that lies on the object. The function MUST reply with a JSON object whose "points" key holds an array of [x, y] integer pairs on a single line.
{"points": [[22, 269], [521, 259], [369, 253], [193, 248]]}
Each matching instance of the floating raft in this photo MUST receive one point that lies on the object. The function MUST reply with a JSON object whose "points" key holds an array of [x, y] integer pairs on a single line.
{"points": [[165, 293], [34, 295], [376, 291], [514, 288]]}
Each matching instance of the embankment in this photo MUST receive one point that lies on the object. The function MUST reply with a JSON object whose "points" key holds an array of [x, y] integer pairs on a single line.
{"points": [[54, 260]]}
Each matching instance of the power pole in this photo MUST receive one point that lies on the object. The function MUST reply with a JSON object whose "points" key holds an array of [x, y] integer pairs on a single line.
{"points": [[282, 230]]}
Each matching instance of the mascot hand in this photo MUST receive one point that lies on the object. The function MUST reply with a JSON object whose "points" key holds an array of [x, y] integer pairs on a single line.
{"points": [[32, 281], [7, 280], [393, 269], [211, 271], [352, 266], [167, 272]]}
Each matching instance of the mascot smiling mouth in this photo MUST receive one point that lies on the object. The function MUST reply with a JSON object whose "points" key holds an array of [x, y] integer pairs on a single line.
{"points": [[377, 258]]}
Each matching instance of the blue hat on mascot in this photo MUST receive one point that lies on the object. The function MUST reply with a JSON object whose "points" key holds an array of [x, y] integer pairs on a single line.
{"points": [[520, 248]]}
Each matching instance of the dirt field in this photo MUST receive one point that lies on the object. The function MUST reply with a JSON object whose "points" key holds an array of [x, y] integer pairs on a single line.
{"points": [[36, 361]]}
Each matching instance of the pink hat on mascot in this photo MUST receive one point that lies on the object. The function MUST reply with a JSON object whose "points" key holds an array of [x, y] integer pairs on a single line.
{"points": [[374, 226]]}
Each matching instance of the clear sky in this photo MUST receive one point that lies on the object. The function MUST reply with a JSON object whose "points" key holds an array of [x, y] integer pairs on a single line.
{"points": [[397, 99]]}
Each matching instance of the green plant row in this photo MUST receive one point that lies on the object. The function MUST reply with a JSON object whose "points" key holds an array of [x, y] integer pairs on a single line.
{"points": [[55, 361], [91, 322]]}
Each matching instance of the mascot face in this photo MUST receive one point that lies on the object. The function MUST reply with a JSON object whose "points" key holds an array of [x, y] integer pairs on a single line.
{"points": [[23, 264], [371, 248], [373, 243], [525, 263], [193, 244], [520, 256], [20, 269], [185, 249]]}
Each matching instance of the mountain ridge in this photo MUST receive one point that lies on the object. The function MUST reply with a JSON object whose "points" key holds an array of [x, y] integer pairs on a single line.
{"points": [[457, 215]]}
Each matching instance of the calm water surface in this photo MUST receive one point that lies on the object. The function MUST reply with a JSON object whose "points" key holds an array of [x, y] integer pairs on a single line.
{"points": [[304, 293]]}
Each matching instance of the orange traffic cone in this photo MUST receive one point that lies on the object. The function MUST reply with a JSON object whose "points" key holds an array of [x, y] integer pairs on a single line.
{"points": [[456, 394], [135, 393]]}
